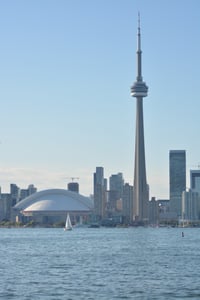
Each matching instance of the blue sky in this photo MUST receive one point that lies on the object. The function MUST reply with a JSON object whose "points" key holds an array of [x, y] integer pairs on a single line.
{"points": [[66, 67]]}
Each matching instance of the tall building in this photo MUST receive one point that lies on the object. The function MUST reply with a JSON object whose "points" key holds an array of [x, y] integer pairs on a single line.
{"points": [[31, 189], [191, 198], [195, 180], [5, 206], [153, 211], [177, 179], [15, 193], [116, 183], [127, 203], [141, 192], [190, 206], [100, 188], [27, 192]]}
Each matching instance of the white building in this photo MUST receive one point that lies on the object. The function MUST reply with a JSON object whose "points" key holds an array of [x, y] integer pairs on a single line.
{"points": [[50, 206]]}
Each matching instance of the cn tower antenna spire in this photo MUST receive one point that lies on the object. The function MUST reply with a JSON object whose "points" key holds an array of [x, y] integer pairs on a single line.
{"points": [[139, 39], [139, 52]]}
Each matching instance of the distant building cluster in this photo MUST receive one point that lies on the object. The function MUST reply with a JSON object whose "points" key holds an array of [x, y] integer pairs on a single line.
{"points": [[182, 208], [9, 200], [114, 204], [184, 201], [113, 198]]}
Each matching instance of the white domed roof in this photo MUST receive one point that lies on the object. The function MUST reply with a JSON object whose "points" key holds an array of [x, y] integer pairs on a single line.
{"points": [[55, 200]]}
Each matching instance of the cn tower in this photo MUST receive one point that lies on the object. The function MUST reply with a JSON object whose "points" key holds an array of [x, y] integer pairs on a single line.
{"points": [[139, 90]]}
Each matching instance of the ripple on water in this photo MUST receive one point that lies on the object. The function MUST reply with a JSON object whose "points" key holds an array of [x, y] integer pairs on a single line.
{"points": [[131, 263]]}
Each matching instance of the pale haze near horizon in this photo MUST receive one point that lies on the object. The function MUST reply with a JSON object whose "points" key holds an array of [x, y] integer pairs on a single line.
{"points": [[66, 71]]}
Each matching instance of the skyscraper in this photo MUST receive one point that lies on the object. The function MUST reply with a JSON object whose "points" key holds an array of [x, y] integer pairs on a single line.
{"points": [[195, 180], [15, 193], [190, 205], [177, 179], [100, 187], [127, 203], [191, 198], [141, 192], [116, 190]]}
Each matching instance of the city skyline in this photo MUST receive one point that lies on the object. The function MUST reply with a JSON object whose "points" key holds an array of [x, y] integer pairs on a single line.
{"points": [[66, 71]]}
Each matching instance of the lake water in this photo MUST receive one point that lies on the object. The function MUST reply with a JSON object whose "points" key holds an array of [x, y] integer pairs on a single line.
{"points": [[103, 263]]}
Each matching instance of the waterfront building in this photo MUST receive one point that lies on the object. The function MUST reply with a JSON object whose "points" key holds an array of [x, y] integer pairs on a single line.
{"points": [[153, 211], [27, 192], [191, 198], [15, 193], [141, 191], [127, 203], [31, 189], [116, 183], [195, 180], [8, 200], [100, 188], [177, 180], [5, 206], [190, 206], [165, 215], [23, 193], [163, 206], [51, 206]]}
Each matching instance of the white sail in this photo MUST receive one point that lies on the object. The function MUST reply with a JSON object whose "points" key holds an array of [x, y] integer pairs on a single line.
{"points": [[68, 224]]}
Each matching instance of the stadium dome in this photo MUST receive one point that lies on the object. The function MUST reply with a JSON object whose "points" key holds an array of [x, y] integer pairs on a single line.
{"points": [[50, 203], [55, 200]]}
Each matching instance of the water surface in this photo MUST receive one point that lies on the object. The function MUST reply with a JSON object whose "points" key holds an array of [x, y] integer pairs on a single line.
{"points": [[103, 263]]}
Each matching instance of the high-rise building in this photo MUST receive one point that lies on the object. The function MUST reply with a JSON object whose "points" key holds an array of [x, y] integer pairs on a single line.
{"points": [[153, 211], [195, 180], [5, 206], [15, 193], [190, 206], [127, 203], [31, 189], [100, 188], [141, 191], [191, 198], [27, 192], [23, 194], [177, 179], [116, 183]]}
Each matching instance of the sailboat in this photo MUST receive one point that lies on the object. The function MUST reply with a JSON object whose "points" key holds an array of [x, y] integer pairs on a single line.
{"points": [[68, 224]]}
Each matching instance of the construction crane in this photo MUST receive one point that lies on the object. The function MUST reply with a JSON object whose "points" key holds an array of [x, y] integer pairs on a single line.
{"points": [[73, 178]]}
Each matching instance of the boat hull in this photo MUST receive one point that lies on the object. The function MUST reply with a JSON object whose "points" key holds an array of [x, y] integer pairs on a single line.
{"points": [[67, 229]]}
